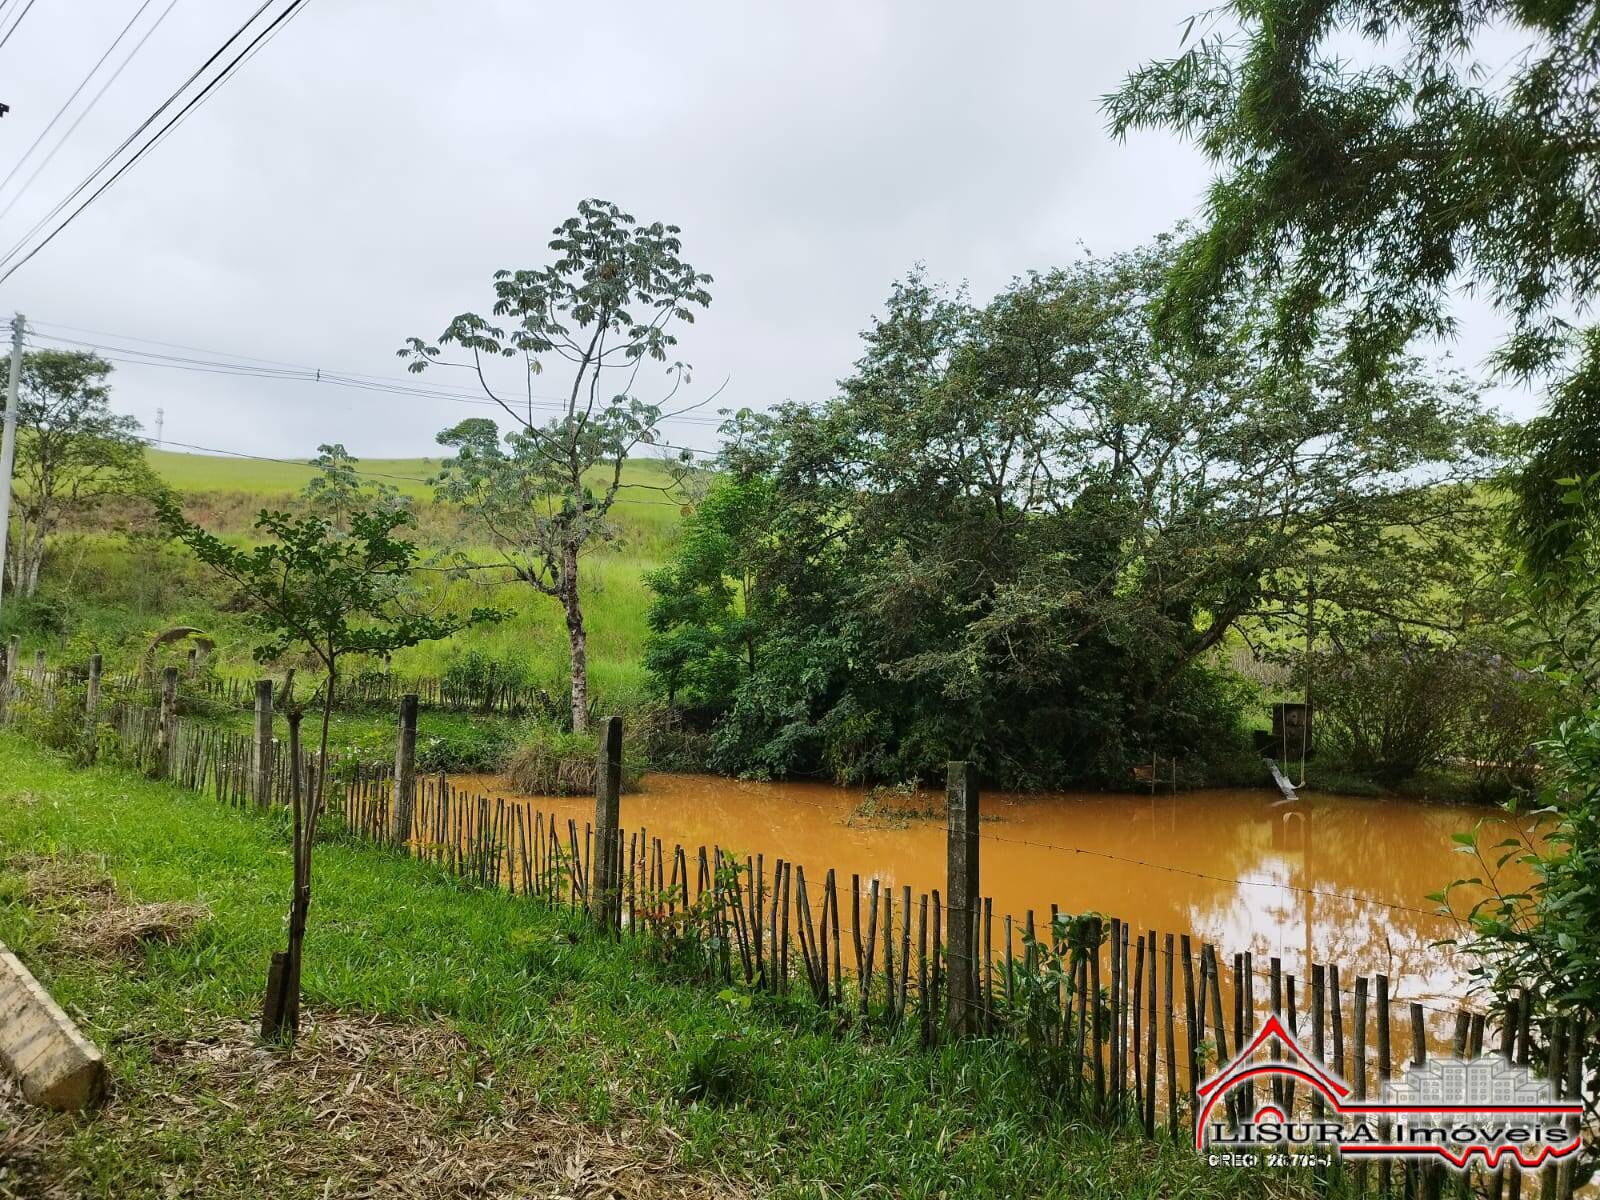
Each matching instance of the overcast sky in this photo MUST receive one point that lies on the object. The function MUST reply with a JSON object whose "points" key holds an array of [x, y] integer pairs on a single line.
{"points": [[362, 176]]}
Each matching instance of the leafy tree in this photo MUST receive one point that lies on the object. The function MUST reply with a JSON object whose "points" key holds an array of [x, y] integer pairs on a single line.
{"points": [[1545, 937], [705, 621], [1019, 530], [310, 588], [1372, 189], [604, 307], [72, 451], [337, 489]]}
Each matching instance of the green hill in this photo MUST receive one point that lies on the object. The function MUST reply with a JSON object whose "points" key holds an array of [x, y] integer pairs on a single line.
{"points": [[119, 591]]}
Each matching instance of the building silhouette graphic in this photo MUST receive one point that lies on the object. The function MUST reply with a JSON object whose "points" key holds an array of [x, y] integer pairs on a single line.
{"points": [[1488, 1080]]}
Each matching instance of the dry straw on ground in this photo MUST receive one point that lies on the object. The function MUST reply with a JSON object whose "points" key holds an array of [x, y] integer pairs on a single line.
{"points": [[361, 1107], [95, 919]]}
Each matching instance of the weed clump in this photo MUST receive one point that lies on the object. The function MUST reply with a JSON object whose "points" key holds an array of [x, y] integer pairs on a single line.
{"points": [[719, 1073], [554, 762]]}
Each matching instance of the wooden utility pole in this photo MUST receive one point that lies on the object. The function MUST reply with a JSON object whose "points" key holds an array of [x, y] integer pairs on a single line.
{"points": [[8, 444], [261, 757], [603, 888], [405, 772]]}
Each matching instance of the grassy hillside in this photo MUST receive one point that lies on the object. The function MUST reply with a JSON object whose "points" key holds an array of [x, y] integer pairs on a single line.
{"points": [[640, 508], [267, 477], [102, 586]]}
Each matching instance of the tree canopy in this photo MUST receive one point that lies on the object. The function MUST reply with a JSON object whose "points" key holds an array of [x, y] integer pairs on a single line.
{"points": [[1375, 158], [1021, 527], [72, 450], [338, 489]]}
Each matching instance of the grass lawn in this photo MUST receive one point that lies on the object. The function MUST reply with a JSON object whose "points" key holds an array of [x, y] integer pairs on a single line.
{"points": [[464, 1043]]}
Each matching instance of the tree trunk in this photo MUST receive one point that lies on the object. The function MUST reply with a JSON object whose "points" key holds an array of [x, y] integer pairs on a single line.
{"points": [[280, 1015], [27, 550], [30, 573], [307, 839], [577, 639]]}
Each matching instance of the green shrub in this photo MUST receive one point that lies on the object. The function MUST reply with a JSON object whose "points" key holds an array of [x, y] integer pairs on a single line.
{"points": [[445, 742], [550, 761], [1507, 710], [1389, 704], [667, 741], [719, 1072], [45, 614], [52, 716], [1044, 994], [1542, 936]]}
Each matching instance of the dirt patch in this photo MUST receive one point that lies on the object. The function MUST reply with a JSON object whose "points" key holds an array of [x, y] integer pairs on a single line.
{"points": [[362, 1107], [124, 929]]}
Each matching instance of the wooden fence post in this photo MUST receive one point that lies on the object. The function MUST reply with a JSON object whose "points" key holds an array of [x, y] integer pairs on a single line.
{"points": [[261, 761], [194, 661], [961, 891], [166, 747], [8, 668], [91, 707], [405, 772], [607, 792], [38, 667]]}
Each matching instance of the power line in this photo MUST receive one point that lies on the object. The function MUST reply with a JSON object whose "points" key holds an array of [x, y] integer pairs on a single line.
{"points": [[88, 108], [265, 368], [200, 97], [546, 402], [129, 140], [76, 92], [7, 36]]}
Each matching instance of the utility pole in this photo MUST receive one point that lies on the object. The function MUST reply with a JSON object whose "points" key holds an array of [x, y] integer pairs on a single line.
{"points": [[161, 421], [8, 441]]}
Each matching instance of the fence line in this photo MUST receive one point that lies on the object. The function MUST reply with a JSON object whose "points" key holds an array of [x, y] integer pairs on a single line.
{"points": [[1062, 995], [371, 689]]}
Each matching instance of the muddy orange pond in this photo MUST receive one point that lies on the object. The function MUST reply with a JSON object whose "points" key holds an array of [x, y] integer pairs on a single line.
{"points": [[1326, 879]]}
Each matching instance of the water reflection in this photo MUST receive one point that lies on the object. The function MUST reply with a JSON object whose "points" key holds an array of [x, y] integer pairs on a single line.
{"points": [[1327, 879]]}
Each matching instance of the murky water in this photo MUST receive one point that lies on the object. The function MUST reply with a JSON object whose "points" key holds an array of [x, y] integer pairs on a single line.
{"points": [[1328, 879]]}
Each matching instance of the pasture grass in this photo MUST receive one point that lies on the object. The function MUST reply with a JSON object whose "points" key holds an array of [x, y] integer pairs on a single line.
{"points": [[106, 591], [541, 1017]]}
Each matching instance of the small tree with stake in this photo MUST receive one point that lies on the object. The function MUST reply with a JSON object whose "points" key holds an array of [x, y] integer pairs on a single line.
{"points": [[310, 587]]}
